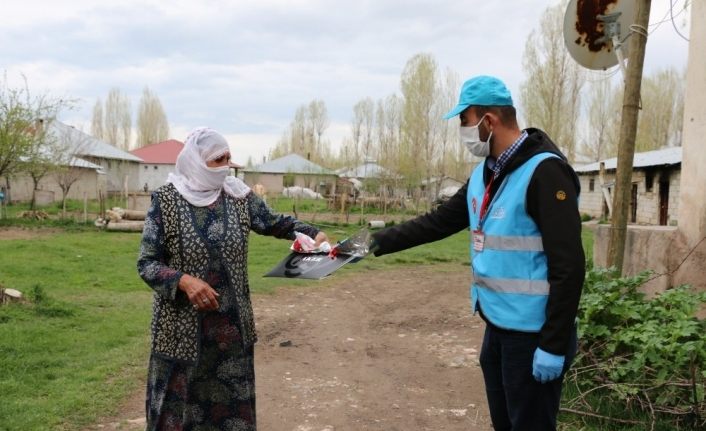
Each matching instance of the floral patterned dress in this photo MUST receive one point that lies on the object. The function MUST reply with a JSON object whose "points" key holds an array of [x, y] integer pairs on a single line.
{"points": [[218, 391]]}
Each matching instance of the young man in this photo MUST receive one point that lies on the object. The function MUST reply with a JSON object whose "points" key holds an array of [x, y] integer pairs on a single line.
{"points": [[521, 204]]}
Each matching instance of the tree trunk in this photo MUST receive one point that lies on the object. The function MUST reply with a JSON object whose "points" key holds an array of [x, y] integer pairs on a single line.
{"points": [[63, 204], [32, 203], [35, 184]]}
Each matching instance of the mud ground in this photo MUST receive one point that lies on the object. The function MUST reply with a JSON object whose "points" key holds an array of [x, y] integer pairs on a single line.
{"points": [[374, 350]]}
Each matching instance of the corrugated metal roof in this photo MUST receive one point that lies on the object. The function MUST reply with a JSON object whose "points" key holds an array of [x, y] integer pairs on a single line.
{"points": [[74, 162], [164, 152], [665, 156], [290, 164], [80, 163], [87, 145], [367, 170]]}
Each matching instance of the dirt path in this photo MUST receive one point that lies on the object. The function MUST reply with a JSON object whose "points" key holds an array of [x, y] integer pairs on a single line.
{"points": [[12, 232], [378, 350]]}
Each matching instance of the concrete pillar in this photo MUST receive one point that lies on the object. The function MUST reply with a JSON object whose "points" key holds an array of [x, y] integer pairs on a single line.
{"points": [[692, 194], [687, 256]]}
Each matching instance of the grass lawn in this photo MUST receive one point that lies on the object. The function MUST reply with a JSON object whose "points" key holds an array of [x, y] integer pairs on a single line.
{"points": [[81, 344]]}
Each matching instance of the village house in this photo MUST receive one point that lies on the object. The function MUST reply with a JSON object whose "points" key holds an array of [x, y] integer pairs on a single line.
{"points": [[440, 188], [288, 171], [122, 169], [373, 179], [97, 166], [158, 160], [654, 195], [90, 180]]}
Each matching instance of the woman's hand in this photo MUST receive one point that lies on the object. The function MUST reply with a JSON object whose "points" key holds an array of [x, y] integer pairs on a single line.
{"points": [[200, 294], [321, 237]]}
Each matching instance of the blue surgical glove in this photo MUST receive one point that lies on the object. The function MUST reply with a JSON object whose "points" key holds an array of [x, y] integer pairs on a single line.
{"points": [[546, 367]]}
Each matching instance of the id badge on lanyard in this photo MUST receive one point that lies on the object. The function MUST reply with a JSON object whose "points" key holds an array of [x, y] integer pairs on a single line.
{"points": [[478, 240], [478, 235]]}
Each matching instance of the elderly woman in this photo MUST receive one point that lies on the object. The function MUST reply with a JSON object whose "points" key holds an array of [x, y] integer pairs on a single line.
{"points": [[194, 256]]}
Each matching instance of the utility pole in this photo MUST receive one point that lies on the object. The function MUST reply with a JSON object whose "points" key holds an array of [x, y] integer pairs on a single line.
{"points": [[628, 130]]}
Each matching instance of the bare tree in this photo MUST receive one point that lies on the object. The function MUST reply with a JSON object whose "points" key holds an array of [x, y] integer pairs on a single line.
{"points": [[419, 89], [388, 117], [662, 111], [97, 120], [551, 93], [152, 124], [447, 131], [283, 146], [353, 148], [305, 134], [387, 141], [117, 126], [346, 153], [319, 122], [600, 137], [66, 145], [362, 128], [40, 159]]}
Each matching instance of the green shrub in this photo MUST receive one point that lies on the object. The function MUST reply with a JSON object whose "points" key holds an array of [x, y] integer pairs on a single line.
{"points": [[640, 357], [586, 217]]}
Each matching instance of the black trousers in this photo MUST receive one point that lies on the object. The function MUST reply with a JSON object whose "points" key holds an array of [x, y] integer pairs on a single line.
{"points": [[516, 400]]}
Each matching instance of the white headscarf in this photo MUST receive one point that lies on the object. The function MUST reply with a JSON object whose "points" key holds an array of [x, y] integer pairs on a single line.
{"points": [[199, 184]]}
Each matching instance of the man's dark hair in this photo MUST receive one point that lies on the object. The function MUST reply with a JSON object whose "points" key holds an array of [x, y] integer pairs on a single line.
{"points": [[507, 114]]}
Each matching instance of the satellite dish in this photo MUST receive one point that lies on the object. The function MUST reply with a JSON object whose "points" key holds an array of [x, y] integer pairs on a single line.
{"points": [[595, 29]]}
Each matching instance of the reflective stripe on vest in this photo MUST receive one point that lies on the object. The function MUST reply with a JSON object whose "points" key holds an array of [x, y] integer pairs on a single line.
{"points": [[511, 285], [516, 243]]}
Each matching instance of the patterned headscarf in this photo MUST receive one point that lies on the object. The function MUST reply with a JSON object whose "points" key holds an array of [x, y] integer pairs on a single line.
{"points": [[199, 184]]}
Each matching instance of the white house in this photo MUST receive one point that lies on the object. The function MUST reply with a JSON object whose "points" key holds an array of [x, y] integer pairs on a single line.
{"points": [[158, 160]]}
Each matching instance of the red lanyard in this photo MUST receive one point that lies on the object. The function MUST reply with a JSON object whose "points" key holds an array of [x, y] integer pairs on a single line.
{"points": [[486, 201]]}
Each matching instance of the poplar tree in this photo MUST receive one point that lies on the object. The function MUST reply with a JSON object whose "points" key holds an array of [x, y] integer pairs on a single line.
{"points": [[152, 124]]}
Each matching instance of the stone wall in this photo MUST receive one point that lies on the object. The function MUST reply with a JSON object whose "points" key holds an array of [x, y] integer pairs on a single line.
{"points": [[591, 202]]}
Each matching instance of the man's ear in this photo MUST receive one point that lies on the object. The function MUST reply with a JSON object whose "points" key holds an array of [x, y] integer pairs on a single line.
{"points": [[489, 121]]}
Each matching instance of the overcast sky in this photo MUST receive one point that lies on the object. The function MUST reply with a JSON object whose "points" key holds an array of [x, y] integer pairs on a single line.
{"points": [[243, 67]]}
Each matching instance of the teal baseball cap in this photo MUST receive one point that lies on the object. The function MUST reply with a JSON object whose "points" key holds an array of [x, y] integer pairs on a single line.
{"points": [[481, 91]]}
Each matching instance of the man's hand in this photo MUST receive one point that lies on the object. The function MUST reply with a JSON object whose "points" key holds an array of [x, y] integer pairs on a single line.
{"points": [[200, 294], [546, 367]]}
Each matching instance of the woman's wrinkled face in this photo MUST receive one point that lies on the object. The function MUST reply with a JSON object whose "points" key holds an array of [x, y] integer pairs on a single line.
{"points": [[222, 160]]}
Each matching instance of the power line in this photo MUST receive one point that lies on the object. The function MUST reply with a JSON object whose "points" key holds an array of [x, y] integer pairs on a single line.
{"points": [[666, 17], [671, 13]]}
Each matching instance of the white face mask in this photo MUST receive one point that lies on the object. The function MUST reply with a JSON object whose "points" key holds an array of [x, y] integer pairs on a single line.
{"points": [[470, 138], [213, 177]]}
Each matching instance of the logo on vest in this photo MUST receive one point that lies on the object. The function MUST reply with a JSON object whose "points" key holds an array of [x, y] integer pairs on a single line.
{"points": [[498, 213]]}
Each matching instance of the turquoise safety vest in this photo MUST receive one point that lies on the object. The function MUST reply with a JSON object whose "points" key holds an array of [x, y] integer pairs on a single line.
{"points": [[510, 273]]}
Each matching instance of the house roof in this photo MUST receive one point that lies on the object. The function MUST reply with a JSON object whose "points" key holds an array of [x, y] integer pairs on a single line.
{"points": [[290, 164], [435, 180], [164, 152], [368, 169], [80, 163], [75, 162], [88, 146], [663, 157]]}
